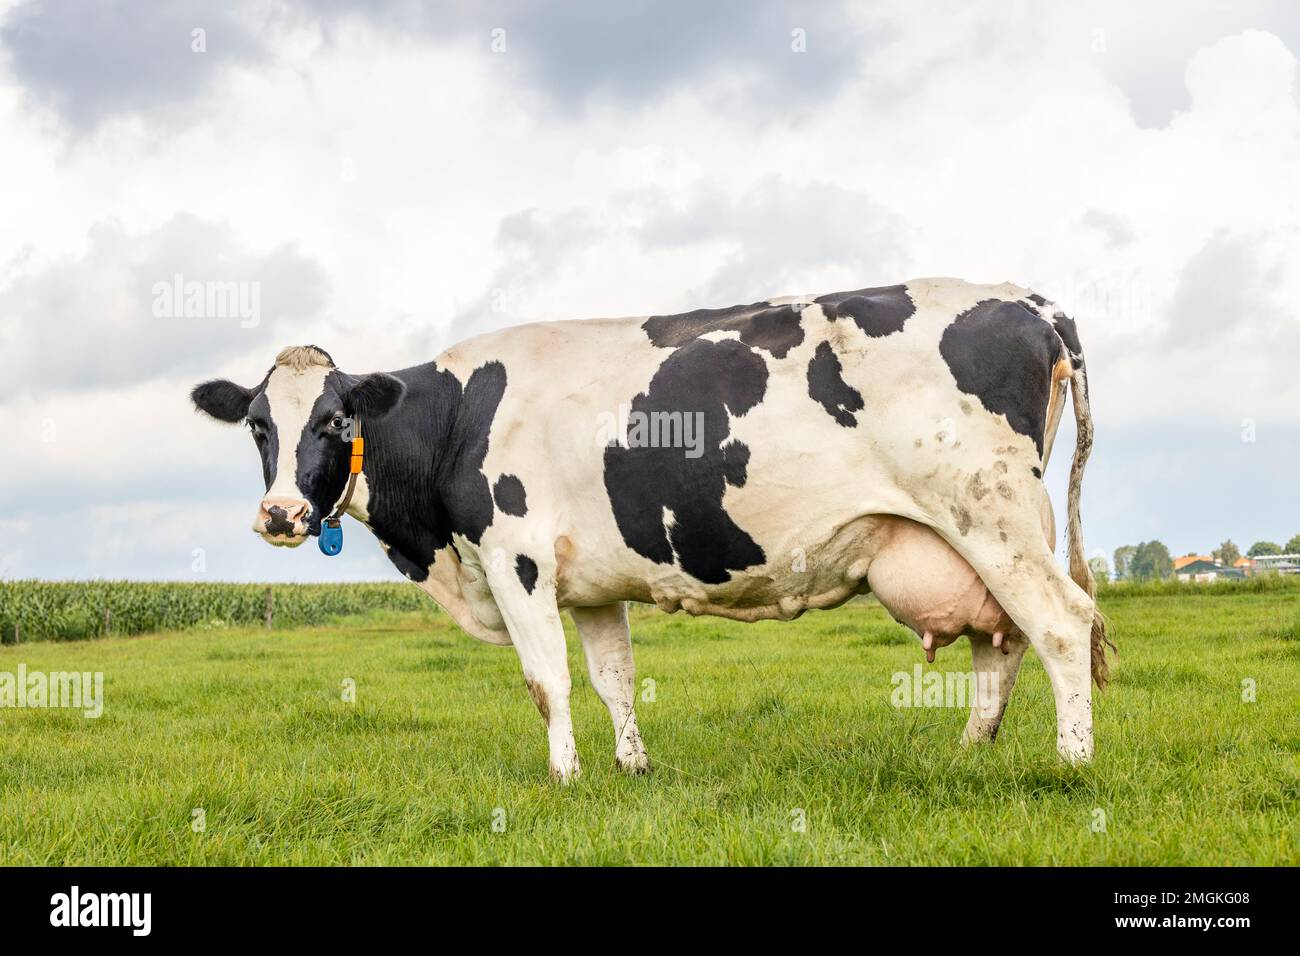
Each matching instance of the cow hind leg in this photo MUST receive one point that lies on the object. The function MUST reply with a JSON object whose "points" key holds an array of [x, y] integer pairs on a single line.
{"points": [[995, 670], [524, 590], [607, 643], [1053, 612]]}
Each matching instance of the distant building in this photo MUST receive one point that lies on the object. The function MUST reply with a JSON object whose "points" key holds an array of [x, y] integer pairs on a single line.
{"points": [[1185, 560], [1204, 570], [1275, 564]]}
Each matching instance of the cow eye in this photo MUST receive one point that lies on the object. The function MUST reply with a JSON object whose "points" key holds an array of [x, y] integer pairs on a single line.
{"points": [[338, 422]]}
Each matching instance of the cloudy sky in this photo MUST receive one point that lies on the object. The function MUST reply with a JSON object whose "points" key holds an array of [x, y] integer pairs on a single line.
{"points": [[391, 179]]}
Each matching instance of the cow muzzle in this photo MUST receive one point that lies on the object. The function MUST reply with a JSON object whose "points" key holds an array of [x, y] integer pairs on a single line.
{"points": [[283, 521]]}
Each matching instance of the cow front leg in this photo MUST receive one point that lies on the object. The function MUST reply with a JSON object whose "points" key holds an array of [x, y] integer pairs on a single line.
{"points": [[607, 642], [995, 676], [524, 590]]}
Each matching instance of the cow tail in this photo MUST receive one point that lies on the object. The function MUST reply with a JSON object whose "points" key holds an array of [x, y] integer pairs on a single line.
{"points": [[1079, 570]]}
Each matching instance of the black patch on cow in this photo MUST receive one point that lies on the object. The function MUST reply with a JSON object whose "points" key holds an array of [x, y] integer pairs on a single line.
{"points": [[877, 312], [509, 495], [408, 568], [1003, 354], [773, 328], [465, 490], [265, 435], [735, 463], [323, 451], [712, 378], [826, 385], [1037, 471], [405, 454], [424, 464], [1037, 299], [526, 568], [1069, 334]]}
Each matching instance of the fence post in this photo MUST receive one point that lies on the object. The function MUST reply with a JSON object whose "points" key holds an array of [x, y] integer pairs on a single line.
{"points": [[108, 621], [270, 607]]}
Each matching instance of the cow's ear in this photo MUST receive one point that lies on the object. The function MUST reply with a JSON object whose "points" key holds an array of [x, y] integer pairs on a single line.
{"points": [[374, 395], [224, 401]]}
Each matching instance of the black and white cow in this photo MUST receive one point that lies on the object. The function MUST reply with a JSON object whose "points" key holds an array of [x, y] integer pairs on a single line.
{"points": [[751, 462]]}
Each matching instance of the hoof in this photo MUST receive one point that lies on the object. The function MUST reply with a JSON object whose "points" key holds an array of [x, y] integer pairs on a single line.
{"points": [[634, 765], [565, 775]]}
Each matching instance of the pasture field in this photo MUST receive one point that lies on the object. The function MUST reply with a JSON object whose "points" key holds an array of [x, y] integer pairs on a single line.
{"points": [[76, 610], [752, 729]]}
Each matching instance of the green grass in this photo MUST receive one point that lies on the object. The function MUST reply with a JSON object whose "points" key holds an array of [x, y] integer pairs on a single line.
{"points": [[76, 610], [749, 724]]}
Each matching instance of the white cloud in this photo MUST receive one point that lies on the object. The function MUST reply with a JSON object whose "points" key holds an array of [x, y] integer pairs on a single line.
{"points": [[402, 183]]}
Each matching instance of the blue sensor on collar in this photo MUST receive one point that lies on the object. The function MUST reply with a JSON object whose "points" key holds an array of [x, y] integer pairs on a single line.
{"points": [[331, 537]]}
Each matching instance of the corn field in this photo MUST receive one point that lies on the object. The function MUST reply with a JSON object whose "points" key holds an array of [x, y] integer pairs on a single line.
{"points": [[75, 610]]}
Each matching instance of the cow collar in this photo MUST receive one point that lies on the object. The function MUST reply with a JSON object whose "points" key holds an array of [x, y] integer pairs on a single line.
{"points": [[331, 531]]}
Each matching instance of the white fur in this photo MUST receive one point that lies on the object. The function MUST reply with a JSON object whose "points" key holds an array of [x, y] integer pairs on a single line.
{"points": [[291, 395]]}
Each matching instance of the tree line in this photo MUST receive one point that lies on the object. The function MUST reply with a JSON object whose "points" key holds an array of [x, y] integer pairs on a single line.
{"points": [[1151, 560]]}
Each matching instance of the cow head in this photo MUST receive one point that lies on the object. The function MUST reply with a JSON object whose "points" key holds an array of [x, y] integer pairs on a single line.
{"points": [[301, 416]]}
